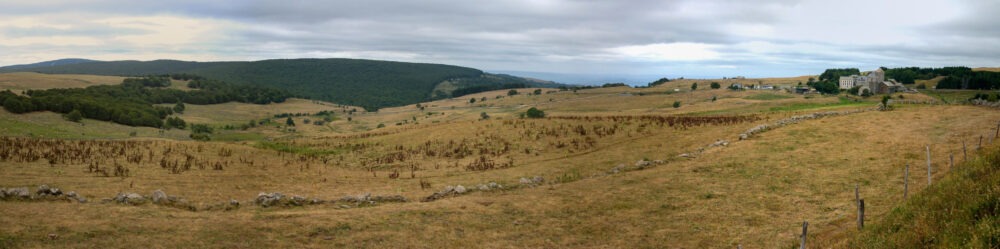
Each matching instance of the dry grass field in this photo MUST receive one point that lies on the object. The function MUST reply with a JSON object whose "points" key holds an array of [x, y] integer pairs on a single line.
{"points": [[35, 81], [622, 168]]}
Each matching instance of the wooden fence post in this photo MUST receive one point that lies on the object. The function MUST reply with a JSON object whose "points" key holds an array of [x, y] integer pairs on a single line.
{"points": [[951, 161], [805, 233], [906, 180], [965, 153], [861, 214], [928, 165]]}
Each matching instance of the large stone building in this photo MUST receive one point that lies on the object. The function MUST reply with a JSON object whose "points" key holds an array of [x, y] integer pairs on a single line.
{"points": [[874, 82]]}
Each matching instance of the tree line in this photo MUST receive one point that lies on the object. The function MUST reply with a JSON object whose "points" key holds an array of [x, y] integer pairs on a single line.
{"points": [[133, 102]]}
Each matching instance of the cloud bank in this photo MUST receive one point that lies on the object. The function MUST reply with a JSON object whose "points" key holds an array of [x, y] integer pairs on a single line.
{"points": [[689, 38]]}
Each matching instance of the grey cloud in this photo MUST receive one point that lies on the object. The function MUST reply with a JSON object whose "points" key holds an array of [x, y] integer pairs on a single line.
{"points": [[560, 35]]}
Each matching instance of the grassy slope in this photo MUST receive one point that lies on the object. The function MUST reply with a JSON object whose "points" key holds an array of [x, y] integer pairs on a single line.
{"points": [[962, 210]]}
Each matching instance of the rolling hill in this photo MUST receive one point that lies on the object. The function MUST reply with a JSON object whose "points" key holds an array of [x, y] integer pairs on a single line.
{"points": [[368, 83]]}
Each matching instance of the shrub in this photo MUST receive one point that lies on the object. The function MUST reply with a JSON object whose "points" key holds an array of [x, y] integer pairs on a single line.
{"points": [[74, 116], [534, 113], [715, 85], [677, 104]]}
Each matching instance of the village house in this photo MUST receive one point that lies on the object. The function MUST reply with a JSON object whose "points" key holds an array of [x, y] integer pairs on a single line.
{"points": [[873, 82]]}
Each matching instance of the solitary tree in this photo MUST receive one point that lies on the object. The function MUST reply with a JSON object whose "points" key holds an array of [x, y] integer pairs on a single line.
{"points": [[538, 91], [716, 85], [179, 107], [483, 115], [677, 104], [472, 100], [289, 122], [74, 116], [512, 92], [694, 86]]}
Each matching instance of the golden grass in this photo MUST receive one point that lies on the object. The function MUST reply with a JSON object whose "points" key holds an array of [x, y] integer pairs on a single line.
{"points": [[37, 81], [755, 192]]}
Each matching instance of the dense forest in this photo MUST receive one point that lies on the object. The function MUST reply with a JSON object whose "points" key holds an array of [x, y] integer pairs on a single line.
{"points": [[954, 77], [491, 82], [909, 75], [367, 83], [132, 102]]}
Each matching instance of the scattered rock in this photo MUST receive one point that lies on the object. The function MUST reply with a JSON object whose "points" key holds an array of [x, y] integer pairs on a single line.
{"points": [[42, 190], [267, 200], [234, 203], [73, 196], [22, 193], [531, 182], [159, 197], [459, 189], [315, 201], [719, 142], [642, 163], [618, 169], [129, 198], [297, 200]]}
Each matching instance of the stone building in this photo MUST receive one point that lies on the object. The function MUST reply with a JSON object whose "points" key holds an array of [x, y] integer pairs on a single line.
{"points": [[873, 81]]}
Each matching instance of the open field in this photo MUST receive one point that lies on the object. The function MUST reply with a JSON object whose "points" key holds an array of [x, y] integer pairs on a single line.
{"points": [[36, 81], [622, 168]]}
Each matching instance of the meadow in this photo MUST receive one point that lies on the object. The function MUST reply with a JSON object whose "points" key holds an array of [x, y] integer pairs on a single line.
{"points": [[608, 167]]}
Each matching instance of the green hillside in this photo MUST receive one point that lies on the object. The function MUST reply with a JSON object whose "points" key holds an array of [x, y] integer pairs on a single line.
{"points": [[367, 83], [960, 211]]}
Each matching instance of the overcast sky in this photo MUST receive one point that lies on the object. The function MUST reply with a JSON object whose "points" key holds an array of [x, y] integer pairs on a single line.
{"points": [[630, 39]]}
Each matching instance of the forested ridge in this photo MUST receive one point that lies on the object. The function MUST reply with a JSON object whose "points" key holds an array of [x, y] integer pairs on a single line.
{"points": [[367, 83]]}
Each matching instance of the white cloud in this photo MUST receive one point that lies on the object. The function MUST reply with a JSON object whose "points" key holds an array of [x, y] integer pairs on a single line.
{"points": [[678, 51]]}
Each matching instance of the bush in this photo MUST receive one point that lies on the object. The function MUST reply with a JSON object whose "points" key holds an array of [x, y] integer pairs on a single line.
{"points": [[677, 104], [694, 86], [715, 85], [179, 107], [74, 116], [175, 122], [534, 113], [512, 92]]}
